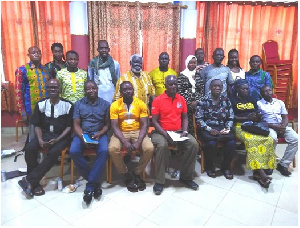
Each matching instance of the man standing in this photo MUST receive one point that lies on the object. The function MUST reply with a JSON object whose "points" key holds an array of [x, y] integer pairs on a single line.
{"points": [[169, 113], [275, 114], [199, 53], [91, 116], [141, 81], [159, 74], [72, 78], [31, 80], [217, 71], [52, 120], [129, 119], [105, 71]]}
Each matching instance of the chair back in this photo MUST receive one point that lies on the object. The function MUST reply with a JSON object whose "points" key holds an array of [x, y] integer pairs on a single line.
{"points": [[269, 52]]}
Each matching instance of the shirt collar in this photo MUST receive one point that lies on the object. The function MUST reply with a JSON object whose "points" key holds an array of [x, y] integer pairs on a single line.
{"points": [[88, 102], [32, 66], [257, 72], [166, 96], [266, 102]]}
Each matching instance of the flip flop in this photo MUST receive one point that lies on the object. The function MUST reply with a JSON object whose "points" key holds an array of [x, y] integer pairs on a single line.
{"points": [[228, 175], [39, 191], [263, 183], [26, 186]]}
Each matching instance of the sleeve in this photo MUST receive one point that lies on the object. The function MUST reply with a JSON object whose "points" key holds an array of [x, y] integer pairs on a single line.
{"points": [[254, 103], [182, 85], [114, 115], [199, 115], [117, 91], [229, 122], [117, 69], [70, 117], [283, 109], [155, 106], [230, 80], [268, 80], [36, 117], [259, 106], [199, 85], [152, 88], [92, 63], [20, 90], [143, 109], [184, 110], [76, 113]]}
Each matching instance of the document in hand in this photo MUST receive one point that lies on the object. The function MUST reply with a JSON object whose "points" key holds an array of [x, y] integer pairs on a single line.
{"points": [[87, 139], [176, 136]]}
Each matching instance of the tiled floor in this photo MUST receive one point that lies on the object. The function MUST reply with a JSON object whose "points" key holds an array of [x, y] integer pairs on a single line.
{"points": [[218, 202]]}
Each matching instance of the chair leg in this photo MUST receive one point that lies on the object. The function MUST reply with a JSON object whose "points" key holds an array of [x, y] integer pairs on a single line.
{"points": [[144, 175], [232, 164], [294, 162], [202, 161], [72, 172], [17, 133], [63, 153], [110, 170]]}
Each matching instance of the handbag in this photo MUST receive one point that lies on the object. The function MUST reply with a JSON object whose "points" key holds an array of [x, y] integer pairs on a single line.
{"points": [[260, 128]]}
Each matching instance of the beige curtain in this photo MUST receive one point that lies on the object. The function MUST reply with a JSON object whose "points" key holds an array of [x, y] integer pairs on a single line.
{"points": [[160, 24], [118, 23]]}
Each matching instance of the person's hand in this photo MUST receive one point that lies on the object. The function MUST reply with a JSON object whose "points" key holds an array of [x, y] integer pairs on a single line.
{"points": [[42, 143], [96, 136], [171, 142], [184, 134], [193, 104], [252, 116], [136, 145], [52, 142], [128, 146], [224, 131], [214, 132]]}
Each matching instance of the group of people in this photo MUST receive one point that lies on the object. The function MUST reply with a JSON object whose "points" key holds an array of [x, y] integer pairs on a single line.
{"points": [[62, 103]]}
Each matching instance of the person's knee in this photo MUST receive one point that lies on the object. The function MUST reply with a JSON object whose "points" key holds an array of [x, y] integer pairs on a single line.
{"points": [[211, 143], [113, 149]]}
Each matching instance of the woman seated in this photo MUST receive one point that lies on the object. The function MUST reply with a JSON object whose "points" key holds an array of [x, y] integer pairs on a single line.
{"points": [[191, 86], [260, 150], [214, 117]]}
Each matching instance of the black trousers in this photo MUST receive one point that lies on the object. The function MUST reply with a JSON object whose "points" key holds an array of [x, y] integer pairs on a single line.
{"points": [[36, 171]]}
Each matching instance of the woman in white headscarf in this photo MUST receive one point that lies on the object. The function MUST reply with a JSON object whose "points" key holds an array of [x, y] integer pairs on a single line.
{"points": [[191, 87]]}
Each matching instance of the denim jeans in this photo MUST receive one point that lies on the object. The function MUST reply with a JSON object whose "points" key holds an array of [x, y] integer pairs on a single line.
{"points": [[92, 175]]}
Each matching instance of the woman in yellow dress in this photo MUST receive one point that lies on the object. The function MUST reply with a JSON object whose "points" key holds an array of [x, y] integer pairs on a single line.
{"points": [[261, 157]]}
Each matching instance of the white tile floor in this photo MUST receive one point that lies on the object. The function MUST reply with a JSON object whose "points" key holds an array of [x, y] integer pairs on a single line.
{"points": [[218, 202]]}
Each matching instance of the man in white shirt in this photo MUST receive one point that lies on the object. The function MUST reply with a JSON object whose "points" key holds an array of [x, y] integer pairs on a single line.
{"points": [[105, 71], [275, 114]]}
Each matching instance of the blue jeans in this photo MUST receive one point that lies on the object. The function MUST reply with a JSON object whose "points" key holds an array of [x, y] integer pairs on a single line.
{"points": [[91, 175]]}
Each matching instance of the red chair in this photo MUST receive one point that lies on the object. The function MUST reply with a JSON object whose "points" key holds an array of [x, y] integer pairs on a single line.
{"points": [[281, 71]]}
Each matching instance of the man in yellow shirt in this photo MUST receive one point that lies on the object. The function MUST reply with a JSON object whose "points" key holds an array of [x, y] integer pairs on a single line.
{"points": [[159, 74], [129, 119], [141, 81]]}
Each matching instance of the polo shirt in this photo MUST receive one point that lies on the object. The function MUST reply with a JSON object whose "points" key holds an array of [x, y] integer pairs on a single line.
{"points": [[92, 116], [53, 118], [158, 79], [272, 111], [129, 118], [169, 111]]}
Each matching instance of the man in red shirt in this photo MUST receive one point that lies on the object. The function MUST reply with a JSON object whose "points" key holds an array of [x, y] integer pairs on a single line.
{"points": [[169, 113]]}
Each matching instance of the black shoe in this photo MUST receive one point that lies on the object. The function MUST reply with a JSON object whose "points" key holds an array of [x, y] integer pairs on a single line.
{"points": [[139, 182], [130, 182], [158, 188], [97, 192], [88, 196], [268, 171], [190, 184], [283, 170]]}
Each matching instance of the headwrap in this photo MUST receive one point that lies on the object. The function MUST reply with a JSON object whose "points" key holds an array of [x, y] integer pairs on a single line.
{"points": [[190, 74]]}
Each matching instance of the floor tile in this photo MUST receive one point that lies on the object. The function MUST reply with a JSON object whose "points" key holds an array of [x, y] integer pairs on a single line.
{"points": [[284, 218], [207, 196], [246, 210], [288, 199], [110, 214], [178, 212], [219, 220], [40, 216], [15, 204], [147, 223], [219, 181]]}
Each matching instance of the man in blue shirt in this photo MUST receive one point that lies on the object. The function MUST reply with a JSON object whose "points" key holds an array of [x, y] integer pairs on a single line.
{"points": [[257, 78], [91, 116]]}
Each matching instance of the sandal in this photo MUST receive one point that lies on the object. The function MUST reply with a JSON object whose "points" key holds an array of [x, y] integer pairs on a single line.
{"points": [[211, 174], [26, 186], [228, 175], [264, 183], [39, 191]]}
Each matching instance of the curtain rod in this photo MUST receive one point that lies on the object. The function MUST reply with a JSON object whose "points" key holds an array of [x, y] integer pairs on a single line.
{"points": [[148, 4]]}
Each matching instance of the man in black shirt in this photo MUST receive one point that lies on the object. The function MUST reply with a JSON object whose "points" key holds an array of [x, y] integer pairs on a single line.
{"points": [[52, 119]]}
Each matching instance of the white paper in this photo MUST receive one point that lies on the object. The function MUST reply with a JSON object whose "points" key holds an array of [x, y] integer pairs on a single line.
{"points": [[176, 136]]}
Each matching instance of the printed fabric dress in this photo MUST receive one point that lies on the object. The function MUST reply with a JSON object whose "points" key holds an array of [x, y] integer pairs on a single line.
{"points": [[260, 149]]}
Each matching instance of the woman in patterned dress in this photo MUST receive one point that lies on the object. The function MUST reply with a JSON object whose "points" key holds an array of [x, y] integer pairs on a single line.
{"points": [[191, 86], [261, 157]]}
